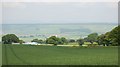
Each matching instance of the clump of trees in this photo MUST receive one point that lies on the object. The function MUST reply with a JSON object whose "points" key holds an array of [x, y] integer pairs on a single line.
{"points": [[110, 38], [114, 36], [91, 38], [9, 39], [80, 41], [71, 41], [103, 39], [56, 40], [107, 39], [64, 40], [38, 41]]}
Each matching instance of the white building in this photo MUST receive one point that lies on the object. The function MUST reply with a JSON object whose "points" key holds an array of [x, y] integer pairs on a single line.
{"points": [[31, 43], [15, 43]]}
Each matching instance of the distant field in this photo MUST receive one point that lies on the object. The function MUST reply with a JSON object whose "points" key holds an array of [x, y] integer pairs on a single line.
{"points": [[53, 55], [69, 31]]}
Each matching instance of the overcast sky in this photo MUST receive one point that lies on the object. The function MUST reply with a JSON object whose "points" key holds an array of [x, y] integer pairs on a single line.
{"points": [[59, 12]]}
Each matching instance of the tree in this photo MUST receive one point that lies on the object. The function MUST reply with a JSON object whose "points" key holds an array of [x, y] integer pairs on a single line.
{"points": [[60, 41], [54, 40], [21, 41], [71, 40], [37, 40], [80, 41], [9, 38], [102, 40], [92, 37], [40, 41], [114, 36], [110, 38], [64, 40], [34, 40]]}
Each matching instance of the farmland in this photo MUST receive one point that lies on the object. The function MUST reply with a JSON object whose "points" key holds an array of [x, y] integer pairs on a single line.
{"points": [[27, 32], [0, 54], [54, 55]]}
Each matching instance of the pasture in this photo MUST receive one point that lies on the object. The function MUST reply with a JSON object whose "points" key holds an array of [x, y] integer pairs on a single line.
{"points": [[0, 54], [54, 55]]}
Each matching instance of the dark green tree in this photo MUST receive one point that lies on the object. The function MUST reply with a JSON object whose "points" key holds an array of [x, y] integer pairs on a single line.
{"points": [[64, 40], [34, 40], [80, 41], [92, 38], [21, 41], [110, 38], [114, 36], [54, 40], [103, 39], [9, 38], [71, 40], [38, 41]]}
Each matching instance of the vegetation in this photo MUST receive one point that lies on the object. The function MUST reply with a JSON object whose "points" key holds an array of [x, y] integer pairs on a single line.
{"points": [[114, 36], [56, 40], [38, 41], [71, 40], [9, 38], [108, 39], [47, 55], [21, 41], [91, 38], [103, 40], [64, 40], [80, 41]]}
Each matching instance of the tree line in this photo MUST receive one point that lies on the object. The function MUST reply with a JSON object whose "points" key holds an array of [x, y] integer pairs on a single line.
{"points": [[110, 38]]}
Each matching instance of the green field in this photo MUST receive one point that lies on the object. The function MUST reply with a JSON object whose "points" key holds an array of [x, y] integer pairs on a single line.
{"points": [[54, 55], [0, 54]]}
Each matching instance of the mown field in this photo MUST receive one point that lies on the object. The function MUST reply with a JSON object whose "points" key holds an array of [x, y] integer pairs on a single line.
{"points": [[54, 55], [0, 54]]}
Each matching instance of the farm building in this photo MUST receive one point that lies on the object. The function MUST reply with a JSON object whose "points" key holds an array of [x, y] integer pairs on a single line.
{"points": [[31, 43], [15, 43]]}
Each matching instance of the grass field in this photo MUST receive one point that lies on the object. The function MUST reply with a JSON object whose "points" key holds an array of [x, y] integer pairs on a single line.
{"points": [[0, 55], [54, 55]]}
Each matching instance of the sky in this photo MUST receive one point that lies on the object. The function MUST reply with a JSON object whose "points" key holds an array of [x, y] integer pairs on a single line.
{"points": [[59, 11], [60, 0]]}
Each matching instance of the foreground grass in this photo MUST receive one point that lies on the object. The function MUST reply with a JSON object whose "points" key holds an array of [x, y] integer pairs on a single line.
{"points": [[53, 55], [0, 55]]}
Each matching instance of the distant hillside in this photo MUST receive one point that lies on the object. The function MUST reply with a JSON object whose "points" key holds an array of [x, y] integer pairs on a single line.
{"points": [[30, 31]]}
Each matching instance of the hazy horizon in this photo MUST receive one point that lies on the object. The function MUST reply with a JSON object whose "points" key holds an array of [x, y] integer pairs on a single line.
{"points": [[70, 19]]}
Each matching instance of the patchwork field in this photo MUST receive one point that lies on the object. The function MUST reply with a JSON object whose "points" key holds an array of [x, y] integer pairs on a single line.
{"points": [[28, 32], [54, 55]]}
